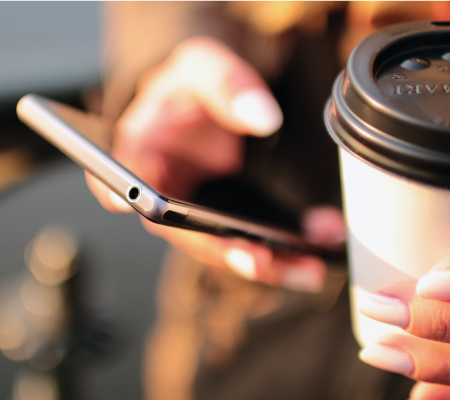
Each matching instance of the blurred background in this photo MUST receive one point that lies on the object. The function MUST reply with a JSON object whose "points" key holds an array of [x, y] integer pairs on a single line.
{"points": [[76, 282], [50, 48]]}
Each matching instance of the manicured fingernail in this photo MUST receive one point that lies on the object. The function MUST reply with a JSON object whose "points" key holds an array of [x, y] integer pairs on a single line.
{"points": [[389, 310], [258, 110], [302, 279], [119, 203], [241, 262], [389, 358], [435, 285]]}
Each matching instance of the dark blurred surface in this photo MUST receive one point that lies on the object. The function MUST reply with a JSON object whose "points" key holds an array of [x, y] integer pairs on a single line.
{"points": [[119, 264]]}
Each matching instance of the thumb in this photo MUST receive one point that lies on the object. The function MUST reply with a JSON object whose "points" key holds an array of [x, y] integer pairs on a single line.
{"points": [[230, 90]]}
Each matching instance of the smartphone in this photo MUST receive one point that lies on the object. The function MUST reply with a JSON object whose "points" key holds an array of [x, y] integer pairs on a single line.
{"points": [[78, 134]]}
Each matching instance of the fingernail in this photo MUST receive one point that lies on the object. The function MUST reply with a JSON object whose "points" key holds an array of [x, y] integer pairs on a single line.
{"points": [[435, 286], [241, 262], [389, 358], [258, 110], [302, 279], [324, 225], [389, 310], [119, 203]]}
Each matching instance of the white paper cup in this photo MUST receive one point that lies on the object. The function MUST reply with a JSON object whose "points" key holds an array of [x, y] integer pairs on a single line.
{"points": [[394, 140]]}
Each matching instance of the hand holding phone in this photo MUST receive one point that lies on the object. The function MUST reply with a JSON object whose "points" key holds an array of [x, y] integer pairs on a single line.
{"points": [[64, 126], [266, 264]]}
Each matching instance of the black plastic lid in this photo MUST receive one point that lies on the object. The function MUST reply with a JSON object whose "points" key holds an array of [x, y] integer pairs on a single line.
{"points": [[391, 106]]}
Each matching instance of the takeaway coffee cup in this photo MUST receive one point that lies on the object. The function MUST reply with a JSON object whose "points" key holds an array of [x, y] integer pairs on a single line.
{"points": [[390, 115]]}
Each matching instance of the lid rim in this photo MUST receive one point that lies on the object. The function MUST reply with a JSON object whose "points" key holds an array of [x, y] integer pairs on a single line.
{"points": [[363, 60], [363, 119], [431, 178]]}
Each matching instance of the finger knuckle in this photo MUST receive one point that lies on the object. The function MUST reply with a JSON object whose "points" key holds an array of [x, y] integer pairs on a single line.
{"points": [[441, 374], [440, 327]]}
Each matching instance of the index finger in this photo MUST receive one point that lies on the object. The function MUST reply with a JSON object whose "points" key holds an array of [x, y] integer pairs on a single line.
{"points": [[248, 259], [230, 89]]}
